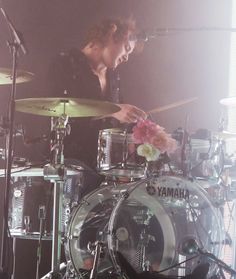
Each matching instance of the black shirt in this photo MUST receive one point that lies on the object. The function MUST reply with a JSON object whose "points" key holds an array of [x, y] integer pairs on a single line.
{"points": [[70, 73]]}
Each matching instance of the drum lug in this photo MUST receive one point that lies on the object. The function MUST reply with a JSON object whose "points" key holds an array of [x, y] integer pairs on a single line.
{"points": [[72, 237]]}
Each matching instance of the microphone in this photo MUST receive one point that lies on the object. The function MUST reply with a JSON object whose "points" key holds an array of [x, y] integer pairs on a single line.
{"points": [[16, 34], [143, 36]]}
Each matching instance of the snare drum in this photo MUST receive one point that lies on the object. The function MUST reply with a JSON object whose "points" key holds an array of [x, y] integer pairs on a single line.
{"points": [[31, 197], [117, 155], [150, 223]]}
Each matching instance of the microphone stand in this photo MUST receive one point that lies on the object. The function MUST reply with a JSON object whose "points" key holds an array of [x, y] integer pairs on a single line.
{"points": [[14, 48]]}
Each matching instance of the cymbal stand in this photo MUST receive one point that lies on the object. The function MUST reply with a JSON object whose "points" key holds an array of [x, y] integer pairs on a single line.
{"points": [[14, 45], [56, 172]]}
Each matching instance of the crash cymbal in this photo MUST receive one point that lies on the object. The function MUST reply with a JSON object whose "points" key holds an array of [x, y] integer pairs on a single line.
{"points": [[173, 105], [229, 102], [22, 76], [72, 107], [224, 135]]}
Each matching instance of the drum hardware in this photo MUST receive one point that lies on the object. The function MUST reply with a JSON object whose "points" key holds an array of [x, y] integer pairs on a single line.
{"points": [[145, 238], [27, 224], [96, 249], [155, 168], [183, 139], [42, 217], [55, 172], [125, 151], [184, 160]]}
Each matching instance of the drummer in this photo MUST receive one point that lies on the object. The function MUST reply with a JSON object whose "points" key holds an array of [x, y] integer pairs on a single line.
{"points": [[91, 72]]}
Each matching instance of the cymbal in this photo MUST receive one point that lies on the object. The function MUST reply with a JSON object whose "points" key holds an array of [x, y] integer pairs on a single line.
{"points": [[173, 105], [22, 76], [229, 102], [72, 107], [224, 135]]}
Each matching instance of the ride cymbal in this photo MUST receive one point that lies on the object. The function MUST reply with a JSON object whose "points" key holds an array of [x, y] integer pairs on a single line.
{"points": [[72, 107], [224, 135], [229, 102], [22, 76]]}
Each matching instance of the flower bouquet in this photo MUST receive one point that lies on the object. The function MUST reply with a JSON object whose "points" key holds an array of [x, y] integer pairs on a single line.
{"points": [[152, 140]]}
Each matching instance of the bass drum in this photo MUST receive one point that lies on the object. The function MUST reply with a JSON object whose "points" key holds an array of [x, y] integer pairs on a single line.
{"points": [[153, 224]]}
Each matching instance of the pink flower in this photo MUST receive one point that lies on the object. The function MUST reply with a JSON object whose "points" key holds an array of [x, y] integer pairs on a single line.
{"points": [[172, 145], [160, 141], [164, 142], [145, 130]]}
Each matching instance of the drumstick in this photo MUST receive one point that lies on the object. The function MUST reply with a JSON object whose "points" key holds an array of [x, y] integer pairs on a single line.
{"points": [[173, 105]]}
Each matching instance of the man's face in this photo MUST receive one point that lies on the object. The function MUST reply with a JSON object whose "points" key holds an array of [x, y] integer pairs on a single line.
{"points": [[115, 53]]}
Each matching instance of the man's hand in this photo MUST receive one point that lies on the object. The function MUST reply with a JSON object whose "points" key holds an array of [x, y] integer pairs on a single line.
{"points": [[129, 114]]}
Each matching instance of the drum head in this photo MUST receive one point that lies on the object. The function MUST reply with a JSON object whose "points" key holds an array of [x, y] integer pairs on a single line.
{"points": [[151, 223], [171, 218]]}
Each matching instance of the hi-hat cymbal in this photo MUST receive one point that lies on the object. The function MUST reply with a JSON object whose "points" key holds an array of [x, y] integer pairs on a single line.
{"points": [[22, 76], [173, 105], [72, 107], [224, 135], [229, 102]]}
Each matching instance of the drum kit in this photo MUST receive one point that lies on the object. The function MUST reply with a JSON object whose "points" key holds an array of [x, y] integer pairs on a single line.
{"points": [[164, 221]]}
